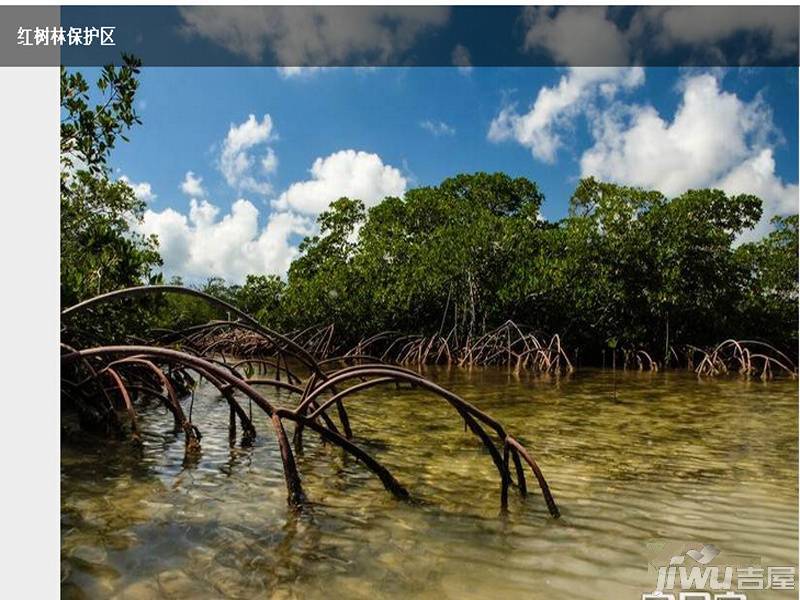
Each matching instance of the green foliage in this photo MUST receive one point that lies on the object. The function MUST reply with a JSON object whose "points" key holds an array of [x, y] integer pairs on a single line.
{"points": [[627, 267], [261, 296], [88, 134], [429, 260], [99, 250], [321, 284], [769, 306], [631, 265], [627, 264]]}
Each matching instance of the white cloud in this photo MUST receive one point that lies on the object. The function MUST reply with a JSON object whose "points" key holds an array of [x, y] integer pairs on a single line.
{"points": [[715, 139], [270, 161], [248, 134], [142, 190], [307, 73], [756, 175], [206, 243], [192, 185], [348, 173], [437, 128], [202, 245], [555, 107], [703, 26], [576, 35], [236, 160], [588, 35], [710, 134], [298, 72], [308, 35]]}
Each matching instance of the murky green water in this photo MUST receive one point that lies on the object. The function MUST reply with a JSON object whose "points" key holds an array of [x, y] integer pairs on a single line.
{"points": [[671, 458]]}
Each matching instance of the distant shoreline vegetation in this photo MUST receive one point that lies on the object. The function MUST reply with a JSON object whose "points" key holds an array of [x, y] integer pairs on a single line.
{"points": [[627, 268], [657, 279]]}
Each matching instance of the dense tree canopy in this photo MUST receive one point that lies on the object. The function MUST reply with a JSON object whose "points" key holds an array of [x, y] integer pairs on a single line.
{"points": [[99, 251], [625, 264]]}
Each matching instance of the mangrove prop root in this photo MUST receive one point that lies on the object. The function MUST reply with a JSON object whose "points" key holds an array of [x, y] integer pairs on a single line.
{"points": [[747, 357], [508, 345], [166, 367], [128, 404], [296, 497]]}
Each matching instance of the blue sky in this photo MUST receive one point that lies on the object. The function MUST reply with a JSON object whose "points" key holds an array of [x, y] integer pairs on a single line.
{"points": [[663, 128]]}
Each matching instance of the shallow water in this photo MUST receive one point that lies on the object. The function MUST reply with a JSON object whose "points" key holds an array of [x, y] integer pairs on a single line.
{"points": [[671, 458]]}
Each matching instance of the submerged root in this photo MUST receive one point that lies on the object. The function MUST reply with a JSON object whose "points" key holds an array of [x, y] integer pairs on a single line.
{"points": [[168, 367]]}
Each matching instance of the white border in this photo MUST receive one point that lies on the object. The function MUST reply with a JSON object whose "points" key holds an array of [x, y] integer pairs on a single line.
{"points": [[29, 353]]}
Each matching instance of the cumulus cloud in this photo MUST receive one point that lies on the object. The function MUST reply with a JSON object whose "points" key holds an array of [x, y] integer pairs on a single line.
{"points": [[539, 129], [192, 185], [207, 243], [437, 128], [202, 244], [756, 175], [313, 35], [360, 175], [237, 162], [715, 139], [576, 35], [706, 26], [709, 134], [142, 190], [593, 35]]}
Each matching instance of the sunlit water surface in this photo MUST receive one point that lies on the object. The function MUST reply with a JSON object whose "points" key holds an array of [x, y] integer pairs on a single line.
{"points": [[671, 458]]}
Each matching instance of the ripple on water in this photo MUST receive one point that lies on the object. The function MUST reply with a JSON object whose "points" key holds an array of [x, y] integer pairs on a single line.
{"points": [[670, 457]]}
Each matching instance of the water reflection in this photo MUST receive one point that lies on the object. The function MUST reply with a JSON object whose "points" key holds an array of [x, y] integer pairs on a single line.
{"points": [[670, 457]]}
